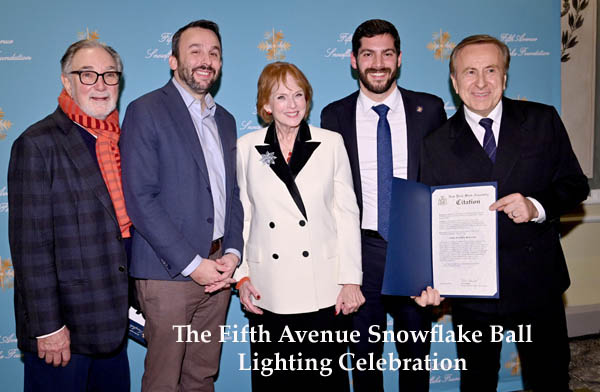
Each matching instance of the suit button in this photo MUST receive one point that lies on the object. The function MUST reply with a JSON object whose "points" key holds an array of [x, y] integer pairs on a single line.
{"points": [[119, 237], [121, 268], [272, 225], [275, 256], [305, 253], [208, 189], [209, 220], [165, 264], [302, 223]]}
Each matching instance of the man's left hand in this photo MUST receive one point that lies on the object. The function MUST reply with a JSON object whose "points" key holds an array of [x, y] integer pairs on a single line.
{"points": [[56, 348], [429, 296], [518, 208], [226, 265]]}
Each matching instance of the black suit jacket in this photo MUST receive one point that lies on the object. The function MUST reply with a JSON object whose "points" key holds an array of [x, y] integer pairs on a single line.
{"points": [[424, 113], [534, 158], [68, 255]]}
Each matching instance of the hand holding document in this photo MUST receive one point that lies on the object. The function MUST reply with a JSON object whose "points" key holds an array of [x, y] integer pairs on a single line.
{"points": [[463, 231], [444, 237]]}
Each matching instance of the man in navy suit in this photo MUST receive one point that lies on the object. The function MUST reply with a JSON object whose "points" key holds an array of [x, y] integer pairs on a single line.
{"points": [[179, 150], [67, 228], [408, 117], [524, 147]]}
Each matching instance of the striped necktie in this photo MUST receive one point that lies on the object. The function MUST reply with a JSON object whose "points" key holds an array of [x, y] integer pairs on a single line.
{"points": [[489, 142]]}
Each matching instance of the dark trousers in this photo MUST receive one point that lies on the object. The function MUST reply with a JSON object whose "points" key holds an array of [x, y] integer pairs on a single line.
{"points": [[327, 355], [544, 361], [406, 315], [83, 373]]}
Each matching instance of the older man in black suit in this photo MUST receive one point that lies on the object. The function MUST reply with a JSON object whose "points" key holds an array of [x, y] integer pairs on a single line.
{"points": [[67, 224], [382, 126], [524, 147]]}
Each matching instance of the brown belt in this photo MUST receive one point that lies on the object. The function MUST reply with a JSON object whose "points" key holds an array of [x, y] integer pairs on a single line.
{"points": [[215, 245]]}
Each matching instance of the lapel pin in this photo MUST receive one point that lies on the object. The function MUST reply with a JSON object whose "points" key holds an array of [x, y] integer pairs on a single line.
{"points": [[268, 158], [419, 109]]}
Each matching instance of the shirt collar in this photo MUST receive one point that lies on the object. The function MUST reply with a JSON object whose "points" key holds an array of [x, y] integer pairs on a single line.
{"points": [[495, 114], [189, 99], [392, 101]]}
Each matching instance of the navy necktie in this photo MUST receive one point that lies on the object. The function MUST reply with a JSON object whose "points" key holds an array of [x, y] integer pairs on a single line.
{"points": [[489, 142], [385, 171]]}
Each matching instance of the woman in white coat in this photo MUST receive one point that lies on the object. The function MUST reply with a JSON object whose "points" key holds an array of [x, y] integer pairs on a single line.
{"points": [[301, 267]]}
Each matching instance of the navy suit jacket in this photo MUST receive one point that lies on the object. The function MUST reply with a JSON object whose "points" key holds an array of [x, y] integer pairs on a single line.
{"points": [[534, 158], [167, 188], [424, 113], [68, 255]]}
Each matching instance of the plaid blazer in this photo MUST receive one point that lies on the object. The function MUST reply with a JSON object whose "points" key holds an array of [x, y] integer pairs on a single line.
{"points": [[68, 255]]}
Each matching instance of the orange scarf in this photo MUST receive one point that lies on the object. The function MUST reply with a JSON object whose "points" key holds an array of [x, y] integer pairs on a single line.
{"points": [[107, 133]]}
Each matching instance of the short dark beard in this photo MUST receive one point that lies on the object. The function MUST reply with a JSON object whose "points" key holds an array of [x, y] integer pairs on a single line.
{"points": [[188, 78], [362, 75]]}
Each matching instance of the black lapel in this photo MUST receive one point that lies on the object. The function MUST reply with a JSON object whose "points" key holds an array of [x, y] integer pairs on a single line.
{"points": [[184, 125], [80, 156], [509, 140], [303, 149], [413, 127], [467, 148], [347, 121], [281, 168]]}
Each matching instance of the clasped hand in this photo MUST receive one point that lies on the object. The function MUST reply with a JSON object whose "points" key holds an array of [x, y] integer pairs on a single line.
{"points": [[215, 274]]}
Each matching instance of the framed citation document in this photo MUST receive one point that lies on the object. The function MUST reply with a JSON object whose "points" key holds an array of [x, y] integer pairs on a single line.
{"points": [[444, 237]]}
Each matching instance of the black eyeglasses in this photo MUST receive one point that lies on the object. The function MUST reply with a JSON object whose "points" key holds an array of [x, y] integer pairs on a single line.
{"points": [[90, 78]]}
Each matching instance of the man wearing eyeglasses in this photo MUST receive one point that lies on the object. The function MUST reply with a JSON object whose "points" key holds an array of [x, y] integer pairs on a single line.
{"points": [[68, 229]]}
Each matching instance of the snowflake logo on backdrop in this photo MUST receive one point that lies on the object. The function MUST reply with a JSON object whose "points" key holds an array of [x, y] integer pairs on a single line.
{"points": [[514, 364], [7, 274], [441, 45], [274, 45], [87, 34], [4, 125]]}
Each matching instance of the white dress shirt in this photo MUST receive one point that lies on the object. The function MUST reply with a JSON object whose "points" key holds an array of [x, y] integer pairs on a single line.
{"points": [[496, 116], [366, 136]]}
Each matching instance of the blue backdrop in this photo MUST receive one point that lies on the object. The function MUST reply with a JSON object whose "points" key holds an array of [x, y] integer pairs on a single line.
{"points": [[315, 35]]}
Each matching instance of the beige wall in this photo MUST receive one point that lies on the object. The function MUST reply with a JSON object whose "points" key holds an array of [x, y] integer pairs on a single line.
{"points": [[581, 244]]}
